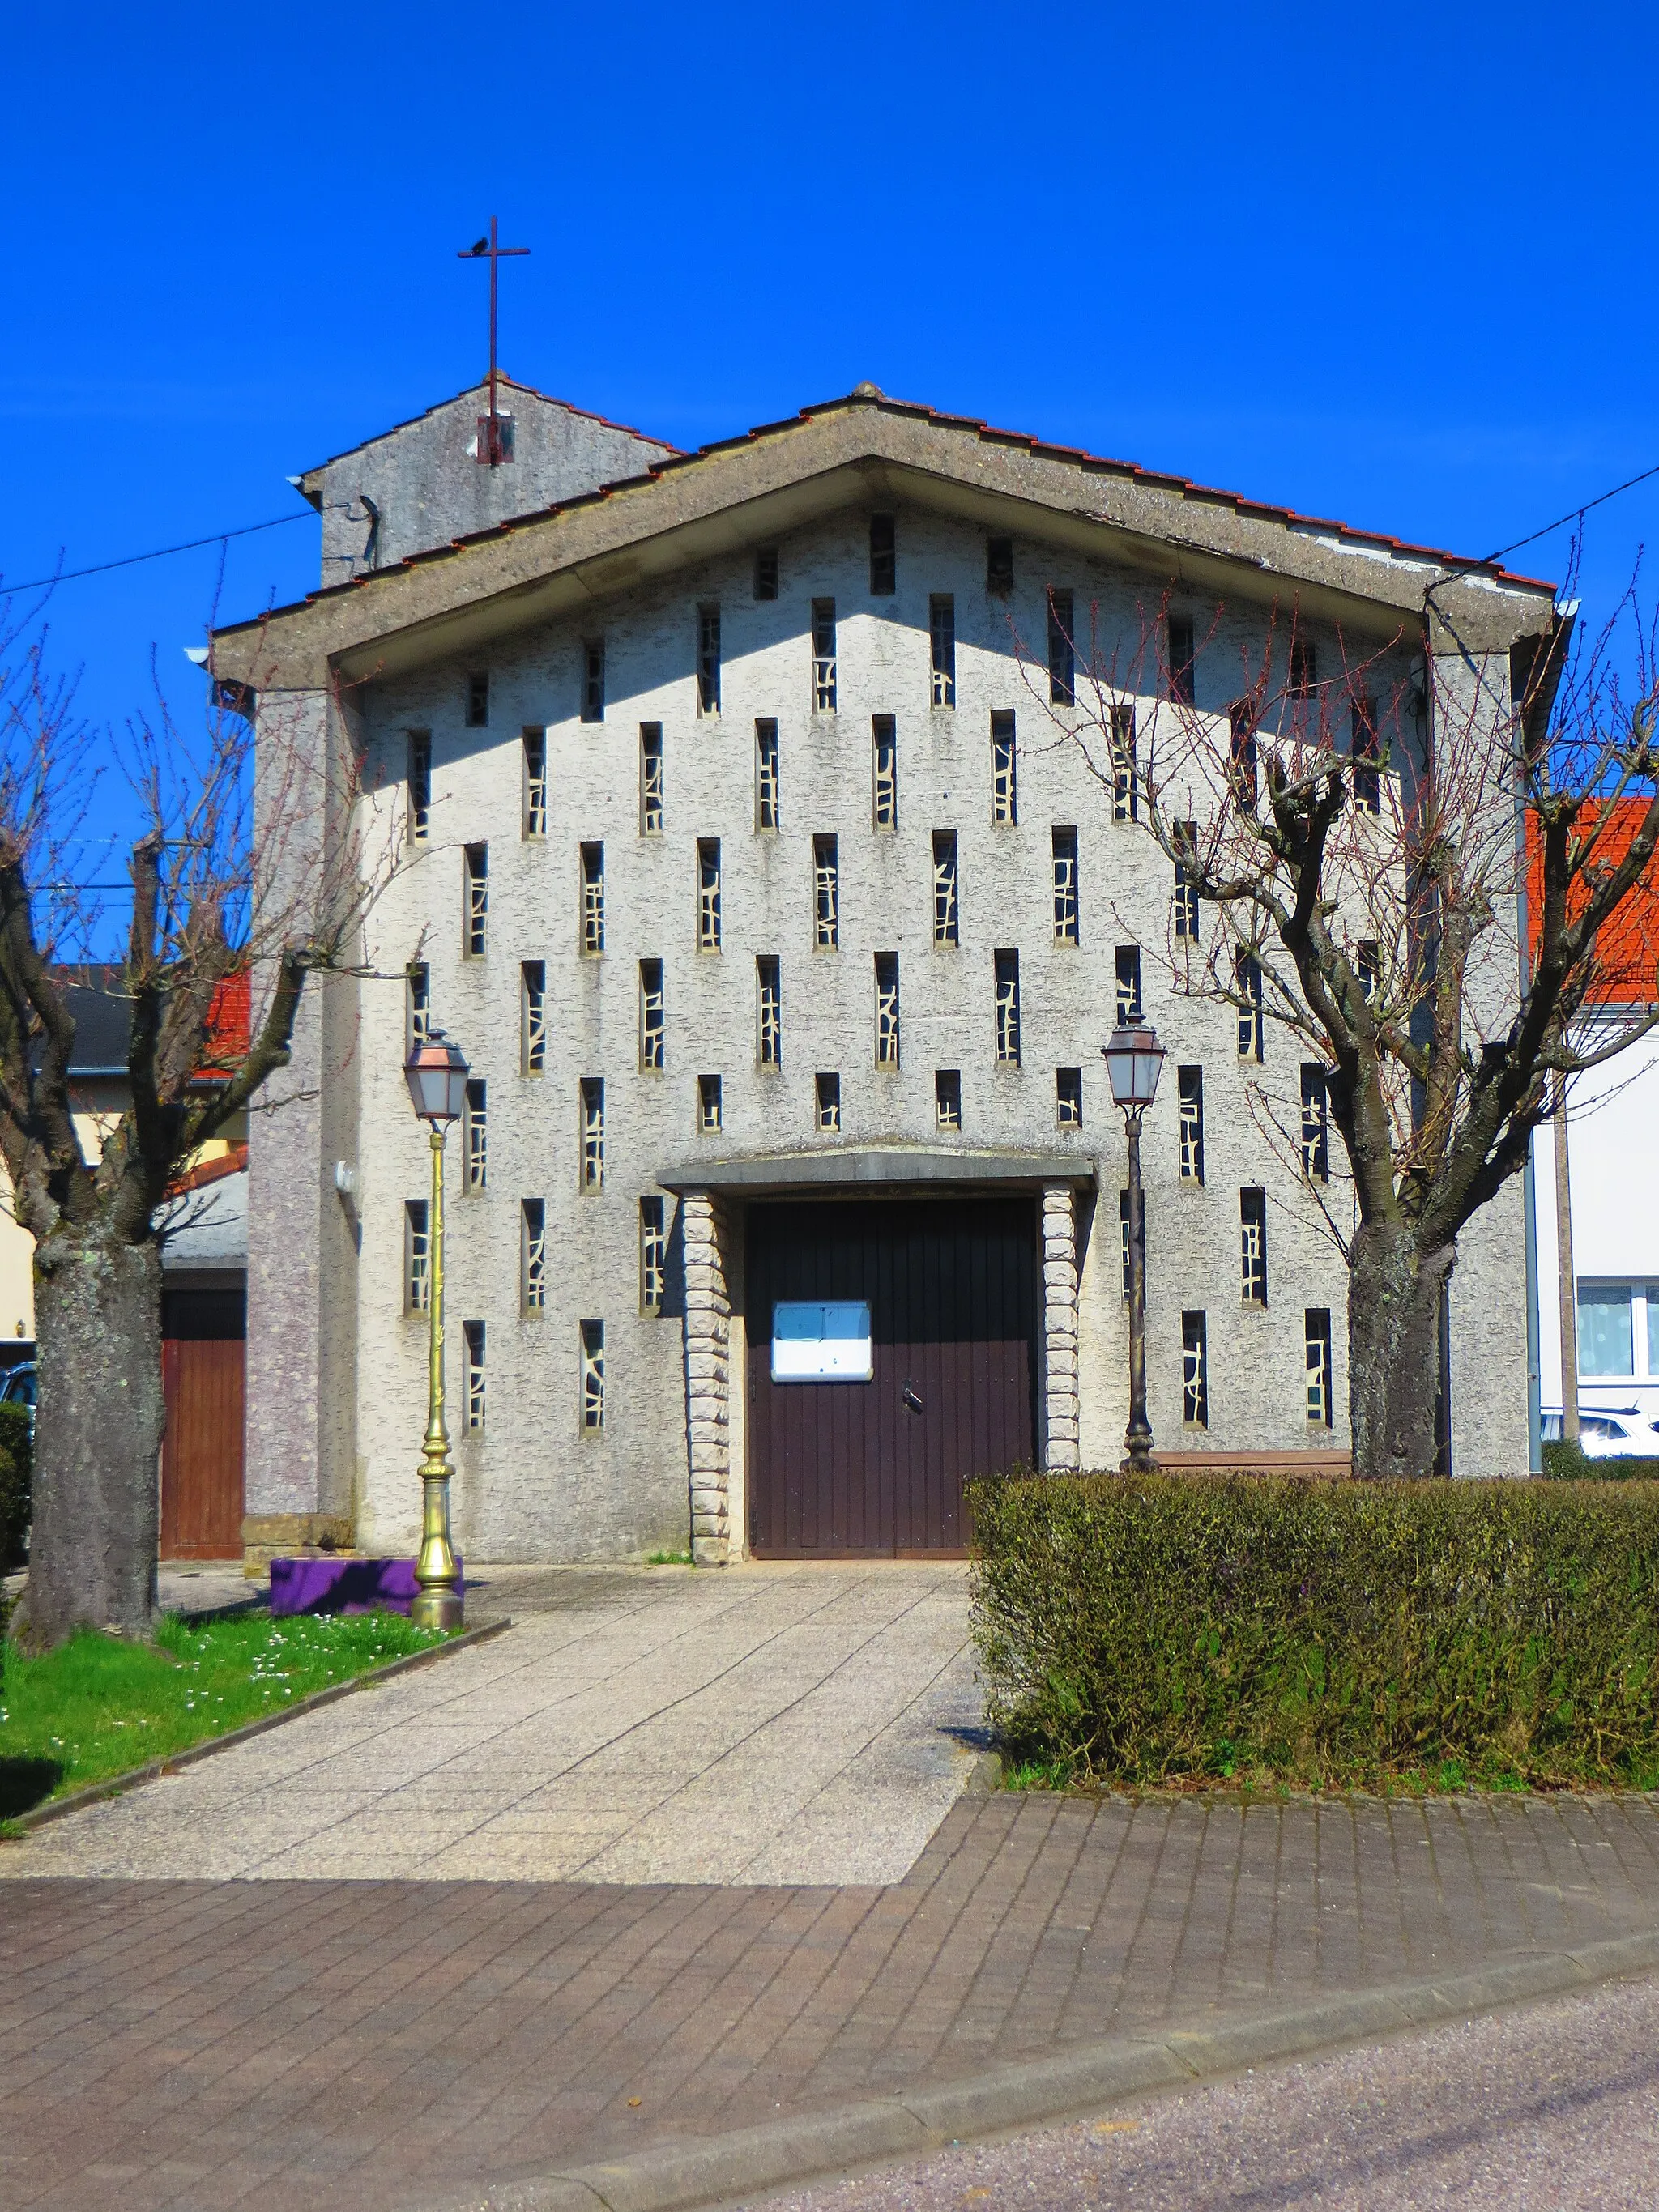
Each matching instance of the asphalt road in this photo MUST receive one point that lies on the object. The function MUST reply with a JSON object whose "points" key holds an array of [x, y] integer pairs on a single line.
{"points": [[1555, 2105]]}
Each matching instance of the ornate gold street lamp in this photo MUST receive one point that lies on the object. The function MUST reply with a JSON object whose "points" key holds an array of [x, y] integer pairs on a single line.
{"points": [[435, 1072], [1133, 1057]]}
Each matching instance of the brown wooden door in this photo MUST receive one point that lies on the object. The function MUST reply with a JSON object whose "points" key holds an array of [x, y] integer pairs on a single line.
{"points": [[878, 1466], [203, 1369]]}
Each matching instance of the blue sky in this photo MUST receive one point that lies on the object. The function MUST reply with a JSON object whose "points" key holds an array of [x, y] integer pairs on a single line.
{"points": [[1394, 266]]}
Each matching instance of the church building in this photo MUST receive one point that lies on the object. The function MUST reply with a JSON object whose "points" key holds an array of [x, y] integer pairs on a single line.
{"points": [[730, 823]]}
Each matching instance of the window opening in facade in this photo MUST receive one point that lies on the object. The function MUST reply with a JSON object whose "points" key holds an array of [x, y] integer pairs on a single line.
{"points": [[1126, 792], [1181, 656], [593, 1109], [999, 566], [769, 1010], [942, 633], [417, 1254], [708, 660], [1315, 1122], [417, 1005], [1185, 902], [1241, 752], [654, 1254], [711, 1104], [883, 771], [478, 701], [1368, 966], [1194, 1371], [947, 1097], [1365, 752], [823, 656], [653, 1017], [472, 1333], [1007, 987], [420, 785], [944, 887], [1068, 1098], [826, 892], [1062, 650], [1190, 1124], [887, 1009], [650, 778], [1128, 959], [535, 783], [476, 1134], [767, 782], [1247, 979], [1316, 1332], [1123, 1232], [766, 572], [1066, 913], [1005, 797], [828, 1089], [1253, 1244], [532, 1016], [532, 1254], [594, 680], [476, 919], [883, 557], [593, 860], [708, 893], [592, 1343], [1608, 1329], [1304, 668]]}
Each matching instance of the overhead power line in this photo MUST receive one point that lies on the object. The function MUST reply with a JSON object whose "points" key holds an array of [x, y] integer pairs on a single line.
{"points": [[1575, 513], [161, 553]]}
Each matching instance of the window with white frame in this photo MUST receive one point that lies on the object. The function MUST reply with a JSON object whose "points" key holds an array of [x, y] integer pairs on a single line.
{"points": [[592, 1113], [1190, 1123], [711, 1104], [1253, 1244], [944, 887], [418, 1005], [1194, 1371], [887, 1009], [1004, 796], [476, 918], [653, 1017], [593, 860], [532, 1254], [1066, 905], [942, 633], [823, 656], [827, 1091], [826, 892], [476, 1134], [1007, 1001], [1316, 1332], [654, 1253], [472, 1335], [1068, 1098], [1315, 1122], [947, 1097], [1618, 1329], [884, 772], [1123, 1233], [650, 778], [1186, 886], [768, 782], [769, 1010], [535, 783], [1247, 982], [1241, 759], [1128, 962], [592, 1383], [1126, 792], [708, 893], [532, 1016], [417, 1257]]}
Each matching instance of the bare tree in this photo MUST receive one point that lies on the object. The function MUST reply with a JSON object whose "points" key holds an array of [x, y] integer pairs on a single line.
{"points": [[1352, 850], [208, 908]]}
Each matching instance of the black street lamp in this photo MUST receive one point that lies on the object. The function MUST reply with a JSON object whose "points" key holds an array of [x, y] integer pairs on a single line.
{"points": [[1133, 1057]]}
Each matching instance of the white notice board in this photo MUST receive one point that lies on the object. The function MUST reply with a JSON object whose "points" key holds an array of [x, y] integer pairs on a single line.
{"points": [[815, 1340]]}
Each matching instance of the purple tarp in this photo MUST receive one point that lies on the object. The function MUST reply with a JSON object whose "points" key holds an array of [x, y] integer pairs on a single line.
{"points": [[345, 1585]]}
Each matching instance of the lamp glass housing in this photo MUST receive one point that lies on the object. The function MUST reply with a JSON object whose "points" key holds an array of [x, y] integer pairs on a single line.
{"points": [[1133, 1057], [435, 1072]]}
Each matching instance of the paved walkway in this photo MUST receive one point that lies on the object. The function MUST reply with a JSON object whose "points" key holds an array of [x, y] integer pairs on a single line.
{"points": [[768, 1724]]}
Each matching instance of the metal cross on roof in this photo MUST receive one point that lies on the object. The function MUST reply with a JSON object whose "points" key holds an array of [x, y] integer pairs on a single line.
{"points": [[487, 249]]}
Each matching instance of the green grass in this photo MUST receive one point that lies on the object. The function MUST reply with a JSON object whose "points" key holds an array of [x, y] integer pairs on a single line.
{"points": [[98, 1705], [669, 1559]]}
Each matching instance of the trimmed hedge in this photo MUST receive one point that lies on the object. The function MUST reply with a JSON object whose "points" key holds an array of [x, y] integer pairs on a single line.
{"points": [[16, 1486], [1570, 1462], [1268, 1630]]}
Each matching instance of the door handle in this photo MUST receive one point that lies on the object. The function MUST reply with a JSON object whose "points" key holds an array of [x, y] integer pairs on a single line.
{"points": [[911, 1399]]}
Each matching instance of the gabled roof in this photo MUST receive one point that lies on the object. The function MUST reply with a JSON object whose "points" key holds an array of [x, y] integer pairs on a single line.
{"points": [[866, 445]]}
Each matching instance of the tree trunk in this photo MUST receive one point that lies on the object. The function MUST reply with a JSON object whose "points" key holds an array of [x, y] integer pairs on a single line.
{"points": [[1395, 1293], [98, 1439]]}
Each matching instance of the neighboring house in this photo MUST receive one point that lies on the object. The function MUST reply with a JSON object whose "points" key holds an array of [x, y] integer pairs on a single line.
{"points": [[1612, 1141], [782, 937]]}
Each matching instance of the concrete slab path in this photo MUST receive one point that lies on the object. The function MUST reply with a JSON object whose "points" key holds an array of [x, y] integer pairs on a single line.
{"points": [[766, 1724]]}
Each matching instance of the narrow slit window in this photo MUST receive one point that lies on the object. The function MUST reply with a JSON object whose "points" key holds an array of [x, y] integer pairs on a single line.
{"points": [[476, 1134], [592, 1343], [823, 656], [1247, 976], [593, 860], [826, 892], [947, 1097], [417, 1257], [884, 771], [418, 1005], [1186, 889], [1181, 656], [768, 792], [420, 785], [594, 680], [532, 1254], [887, 1009], [1062, 650], [1190, 1082], [1128, 983], [1126, 791], [1304, 668], [654, 1254], [1253, 1244], [708, 893], [650, 778], [1068, 1098], [946, 922], [532, 1016], [1065, 863], [478, 701], [653, 1017], [883, 557], [535, 783], [1368, 966], [1005, 797], [473, 1334], [1316, 1332], [942, 630], [476, 862], [1241, 752], [1315, 1122], [828, 1089], [592, 1113], [999, 566], [1365, 754], [1123, 1234], [1007, 989], [769, 1010], [1194, 1371], [711, 1104], [708, 660], [766, 572]]}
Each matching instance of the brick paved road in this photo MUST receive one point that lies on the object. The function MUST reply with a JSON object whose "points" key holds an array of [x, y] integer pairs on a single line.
{"points": [[180, 2044]]}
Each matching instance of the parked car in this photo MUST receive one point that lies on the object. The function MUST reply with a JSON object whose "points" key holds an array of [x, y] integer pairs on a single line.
{"points": [[1624, 1435], [19, 1389]]}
